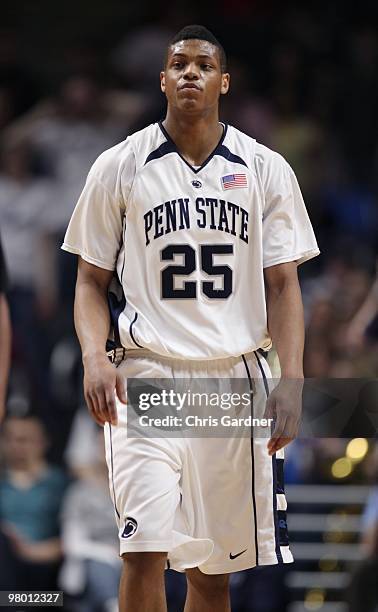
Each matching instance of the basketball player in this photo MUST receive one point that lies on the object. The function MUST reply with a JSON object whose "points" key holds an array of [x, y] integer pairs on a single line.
{"points": [[203, 228], [5, 335]]}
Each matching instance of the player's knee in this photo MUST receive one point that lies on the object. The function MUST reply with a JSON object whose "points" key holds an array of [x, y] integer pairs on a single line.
{"points": [[206, 583], [144, 562]]}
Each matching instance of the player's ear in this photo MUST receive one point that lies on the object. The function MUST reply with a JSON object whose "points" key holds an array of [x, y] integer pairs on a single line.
{"points": [[162, 81], [225, 83]]}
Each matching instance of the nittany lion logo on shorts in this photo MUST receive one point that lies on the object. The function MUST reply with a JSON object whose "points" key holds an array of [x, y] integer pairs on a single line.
{"points": [[130, 527]]}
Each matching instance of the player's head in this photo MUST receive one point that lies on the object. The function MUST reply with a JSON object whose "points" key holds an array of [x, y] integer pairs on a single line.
{"points": [[194, 74], [198, 32]]}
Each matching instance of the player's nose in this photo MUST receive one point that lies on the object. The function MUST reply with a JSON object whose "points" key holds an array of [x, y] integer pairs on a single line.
{"points": [[191, 71]]}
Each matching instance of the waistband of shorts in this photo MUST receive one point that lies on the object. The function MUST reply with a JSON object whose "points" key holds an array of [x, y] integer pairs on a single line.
{"points": [[118, 354]]}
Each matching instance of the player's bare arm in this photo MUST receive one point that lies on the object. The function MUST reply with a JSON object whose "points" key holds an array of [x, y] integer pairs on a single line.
{"points": [[286, 328], [92, 325], [5, 349]]}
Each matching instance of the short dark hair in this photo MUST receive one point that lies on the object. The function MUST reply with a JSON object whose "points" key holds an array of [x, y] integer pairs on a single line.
{"points": [[201, 33]]}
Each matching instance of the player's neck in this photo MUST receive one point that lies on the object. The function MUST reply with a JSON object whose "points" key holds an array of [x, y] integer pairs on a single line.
{"points": [[195, 138]]}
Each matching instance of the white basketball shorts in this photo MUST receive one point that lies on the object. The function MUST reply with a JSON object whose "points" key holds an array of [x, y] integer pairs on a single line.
{"points": [[213, 503]]}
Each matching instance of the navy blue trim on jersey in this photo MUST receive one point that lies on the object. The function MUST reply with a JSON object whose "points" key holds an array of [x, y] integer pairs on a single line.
{"points": [[220, 149], [280, 476], [116, 307], [164, 149], [281, 514], [280, 525], [112, 470], [223, 151], [275, 513], [253, 464], [131, 331]]}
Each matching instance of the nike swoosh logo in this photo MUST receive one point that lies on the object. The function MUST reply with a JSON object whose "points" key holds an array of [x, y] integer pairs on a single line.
{"points": [[238, 555]]}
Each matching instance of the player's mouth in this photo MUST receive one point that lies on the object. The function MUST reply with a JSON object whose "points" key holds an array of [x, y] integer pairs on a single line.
{"points": [[190, 86]]}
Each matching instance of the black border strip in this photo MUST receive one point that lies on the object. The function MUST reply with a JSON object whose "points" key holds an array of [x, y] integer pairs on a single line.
{"points": [[112, 470], [131, 331], [253, 463]]}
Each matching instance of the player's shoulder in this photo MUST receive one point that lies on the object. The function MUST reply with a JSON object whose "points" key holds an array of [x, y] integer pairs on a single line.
{"points": [[145, 141], [266, 157], [240, 144], [120, 162], [260, 156], [109, 164]]}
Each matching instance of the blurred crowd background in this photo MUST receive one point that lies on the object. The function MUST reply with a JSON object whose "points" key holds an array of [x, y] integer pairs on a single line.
{"points": [[304, 81]]}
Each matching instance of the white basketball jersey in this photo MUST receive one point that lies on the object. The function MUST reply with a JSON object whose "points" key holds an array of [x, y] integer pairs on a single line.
{"points": [[189, 245]]}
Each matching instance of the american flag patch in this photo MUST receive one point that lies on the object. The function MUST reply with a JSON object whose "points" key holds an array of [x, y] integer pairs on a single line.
{"points": [[233, 181]]}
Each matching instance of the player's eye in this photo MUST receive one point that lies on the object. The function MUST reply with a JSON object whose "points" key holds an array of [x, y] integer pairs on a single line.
{"points": [[177, 65], [206, 66]]}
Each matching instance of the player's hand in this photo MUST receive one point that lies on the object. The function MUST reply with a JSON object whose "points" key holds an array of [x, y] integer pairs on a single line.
{"points": [[102, 381], [284, 405]]}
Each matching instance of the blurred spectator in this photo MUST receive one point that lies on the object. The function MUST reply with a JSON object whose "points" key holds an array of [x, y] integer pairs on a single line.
{"points": [[92, 567], [363, 327], [31, 493], [68, 132], [82, 450], [25, 201], [5, 335], [129, 57], [296, 135], [340, 305], [245, 109]]}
